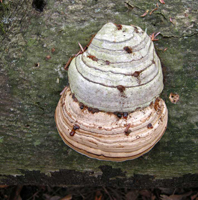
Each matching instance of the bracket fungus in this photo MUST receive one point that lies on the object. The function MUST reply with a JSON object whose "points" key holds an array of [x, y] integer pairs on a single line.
{"points": [[111, 109]]}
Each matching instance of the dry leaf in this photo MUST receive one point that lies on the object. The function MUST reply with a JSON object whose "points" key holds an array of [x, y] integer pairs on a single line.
{"points": [[194, 197], [132, 195], [49, 197], [162, 1], [145, 13], [157, 6], [175, 196], [3, 186], [153, 36], [47, 57], [98, 195], [171, 20], [146, 193], [68, 197]]}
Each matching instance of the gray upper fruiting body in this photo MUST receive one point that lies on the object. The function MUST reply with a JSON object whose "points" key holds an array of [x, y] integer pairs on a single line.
{"points": [[120, 71]]}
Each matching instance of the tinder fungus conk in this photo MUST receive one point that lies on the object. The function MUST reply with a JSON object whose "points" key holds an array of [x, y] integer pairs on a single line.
{"points": [[111, 109]]}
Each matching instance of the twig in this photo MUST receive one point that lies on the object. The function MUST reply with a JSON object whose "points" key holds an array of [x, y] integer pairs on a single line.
{"points": [[145, 13], [154, 9], [153, 36], [81, 47], [63, 90], [68, 62]]}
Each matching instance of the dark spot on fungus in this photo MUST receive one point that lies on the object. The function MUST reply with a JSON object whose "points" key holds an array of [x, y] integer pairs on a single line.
{"points": [[107, 62], [73, 131], [118, 114], [81, 105], [156, 105], [153, 61], [75, 127], [93, 110], [119, 26], [136, 73], [121, 88], [127, 131], [92, 57], [149, 126], [136, 29], [151, 105], [125, 115], [74, 98], [128, 49]]}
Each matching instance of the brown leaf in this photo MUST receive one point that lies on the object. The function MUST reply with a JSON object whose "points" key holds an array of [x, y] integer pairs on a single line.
{"points": [[47, 57], [164, 197], [68, 197], [153, 36], [175, 196], [15, 194], [4, 186], [162, 1], [49, 197], [146, 193], [143, 15], [194, 197], [157, 6], [132, 195], [171, 20], [98, 195]]}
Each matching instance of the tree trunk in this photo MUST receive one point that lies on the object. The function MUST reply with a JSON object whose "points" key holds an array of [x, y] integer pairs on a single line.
{"points": [[37, 39]]}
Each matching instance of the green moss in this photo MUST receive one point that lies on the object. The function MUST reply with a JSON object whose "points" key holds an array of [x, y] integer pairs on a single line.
{"points": [[2, 28], [1, 139], [31, 42], [37, 142]]}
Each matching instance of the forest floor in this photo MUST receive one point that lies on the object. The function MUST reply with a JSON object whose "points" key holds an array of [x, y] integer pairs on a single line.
{"points": [[93, 193]]}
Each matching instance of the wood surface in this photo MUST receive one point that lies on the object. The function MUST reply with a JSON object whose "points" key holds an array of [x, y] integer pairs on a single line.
{"points": [[35, 46]]}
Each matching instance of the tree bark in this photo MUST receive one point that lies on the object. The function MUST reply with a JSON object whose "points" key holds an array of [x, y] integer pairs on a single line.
{"points": [[37, 39]]}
